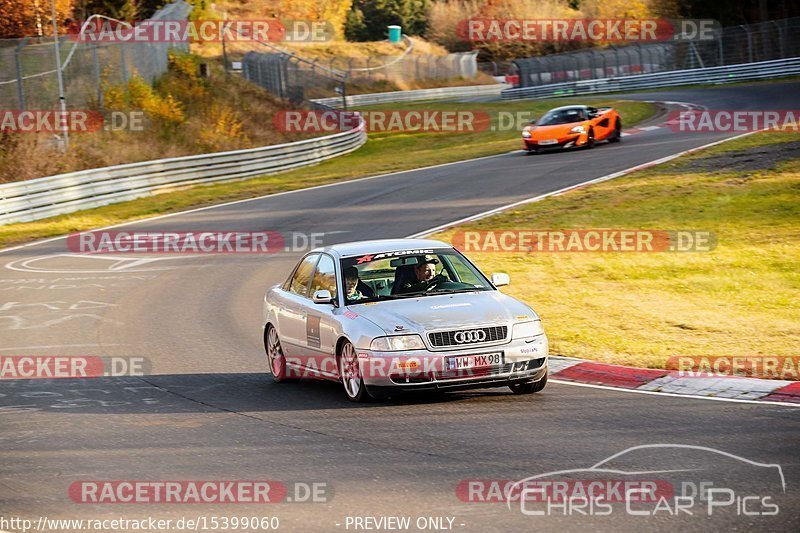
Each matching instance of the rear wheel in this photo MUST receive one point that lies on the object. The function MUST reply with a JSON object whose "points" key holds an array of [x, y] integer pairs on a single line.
{"points": [[350, 374], [529, 387], [275, 356]]}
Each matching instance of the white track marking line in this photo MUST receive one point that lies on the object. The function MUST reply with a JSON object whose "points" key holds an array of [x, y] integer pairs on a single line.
{"points": [[607, 177], [272, 195], [674, 395], [15, 348]]}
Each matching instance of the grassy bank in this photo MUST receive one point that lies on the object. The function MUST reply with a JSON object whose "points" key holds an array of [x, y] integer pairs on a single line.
{"points": [[384, 152], [641, 308]]}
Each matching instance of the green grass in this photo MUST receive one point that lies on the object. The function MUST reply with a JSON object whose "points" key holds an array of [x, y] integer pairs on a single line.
{"points": [[641, 308], [383, 153]]}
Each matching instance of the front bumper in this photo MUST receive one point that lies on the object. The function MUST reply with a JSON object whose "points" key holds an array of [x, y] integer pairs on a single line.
{"points": [[570, 141], [521, 361]]}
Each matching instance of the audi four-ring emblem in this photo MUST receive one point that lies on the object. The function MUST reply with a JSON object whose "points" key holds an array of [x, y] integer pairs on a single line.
{"points": [[475, 335]]}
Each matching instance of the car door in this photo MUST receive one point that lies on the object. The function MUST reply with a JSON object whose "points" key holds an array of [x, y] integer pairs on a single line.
{"points": [[321, 324], [293, 308]]}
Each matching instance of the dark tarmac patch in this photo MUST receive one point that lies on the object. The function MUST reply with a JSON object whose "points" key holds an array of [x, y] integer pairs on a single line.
{"points": [[755, 158]]}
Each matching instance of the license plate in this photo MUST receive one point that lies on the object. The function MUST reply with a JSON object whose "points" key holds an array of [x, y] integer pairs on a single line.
{"points": [[548, 141], [474, 361]]}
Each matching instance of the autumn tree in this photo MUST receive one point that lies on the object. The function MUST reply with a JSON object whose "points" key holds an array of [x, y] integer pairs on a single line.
{"points": [[26, 18]]}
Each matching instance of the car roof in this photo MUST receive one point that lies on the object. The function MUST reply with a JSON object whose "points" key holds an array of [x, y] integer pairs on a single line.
{"points": [[565, 107], [348, 249]]}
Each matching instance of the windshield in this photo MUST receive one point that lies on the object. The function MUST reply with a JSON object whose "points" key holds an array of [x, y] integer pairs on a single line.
{"points": [[409, 273], [562, 116]]}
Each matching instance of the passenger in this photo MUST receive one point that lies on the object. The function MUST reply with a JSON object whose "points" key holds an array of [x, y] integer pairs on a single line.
{"points": [[356, 289]]}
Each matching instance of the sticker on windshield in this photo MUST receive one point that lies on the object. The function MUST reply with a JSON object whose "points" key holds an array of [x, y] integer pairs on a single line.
{"points": [[374, 257]]}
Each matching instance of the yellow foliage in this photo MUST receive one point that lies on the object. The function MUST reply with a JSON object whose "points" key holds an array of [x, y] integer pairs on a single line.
{"points": [[333, 11]]}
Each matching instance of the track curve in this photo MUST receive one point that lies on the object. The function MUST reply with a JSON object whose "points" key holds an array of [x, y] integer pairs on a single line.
{"points": [[208, 410]]}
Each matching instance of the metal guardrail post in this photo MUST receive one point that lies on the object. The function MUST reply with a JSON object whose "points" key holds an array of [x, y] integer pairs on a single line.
{"points": [[96, 71], [20, 80]]}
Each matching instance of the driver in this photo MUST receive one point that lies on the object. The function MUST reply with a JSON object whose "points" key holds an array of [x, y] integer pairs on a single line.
{"points": [[425, 272]]}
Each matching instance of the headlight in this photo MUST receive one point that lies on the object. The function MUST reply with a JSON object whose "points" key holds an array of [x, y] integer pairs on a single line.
{"points": [[524, 330], [578, 129], [526, 135], [397, 343]]}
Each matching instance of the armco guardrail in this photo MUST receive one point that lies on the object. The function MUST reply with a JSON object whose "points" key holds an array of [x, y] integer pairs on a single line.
{"points": [[471, 91], [727, 74], [55, 195]]}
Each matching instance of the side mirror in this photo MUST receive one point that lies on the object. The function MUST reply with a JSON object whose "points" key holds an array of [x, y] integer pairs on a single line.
{"points": [[500, 278], [322, 297], [532, 121]]}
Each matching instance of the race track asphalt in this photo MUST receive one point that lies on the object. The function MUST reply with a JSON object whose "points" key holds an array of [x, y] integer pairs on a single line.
{"points": [[208, 410]]}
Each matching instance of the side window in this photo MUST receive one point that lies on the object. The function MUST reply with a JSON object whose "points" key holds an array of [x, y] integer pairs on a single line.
{"points": [[325, 276], [301, 277]]}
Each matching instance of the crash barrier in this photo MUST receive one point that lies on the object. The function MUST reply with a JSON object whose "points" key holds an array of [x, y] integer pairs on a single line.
{"points": [[56, 195], [473, 91], [711, 47], [713, 75]]}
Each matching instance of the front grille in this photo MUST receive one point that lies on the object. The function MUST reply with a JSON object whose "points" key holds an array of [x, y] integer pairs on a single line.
{"points": [[465, 337]]}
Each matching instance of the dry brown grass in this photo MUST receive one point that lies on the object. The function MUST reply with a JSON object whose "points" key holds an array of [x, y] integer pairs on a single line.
{"points": [[219, 114]]}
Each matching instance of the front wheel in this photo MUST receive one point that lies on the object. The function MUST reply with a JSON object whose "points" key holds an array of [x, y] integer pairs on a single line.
{"points": [[529, 387], [617, 135], [350, 374]]}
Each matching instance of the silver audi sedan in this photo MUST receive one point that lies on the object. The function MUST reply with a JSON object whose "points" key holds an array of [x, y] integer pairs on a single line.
{"points": [[387, 316]]}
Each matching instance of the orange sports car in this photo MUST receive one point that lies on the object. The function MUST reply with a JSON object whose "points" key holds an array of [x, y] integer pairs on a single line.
{"points": [[572, 126]]}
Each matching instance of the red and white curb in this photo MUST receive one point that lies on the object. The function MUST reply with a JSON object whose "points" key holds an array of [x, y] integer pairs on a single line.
{"points": [[569, 369]]}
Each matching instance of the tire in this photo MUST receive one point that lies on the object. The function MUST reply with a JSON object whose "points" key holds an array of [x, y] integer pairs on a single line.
{"points": [[531, 152], [350, 374], [617, 135], [275, 356], [529, 387], [590, 140]]}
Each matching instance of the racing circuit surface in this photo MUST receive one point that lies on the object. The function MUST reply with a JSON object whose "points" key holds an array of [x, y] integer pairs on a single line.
{"points": [[209, 410]]}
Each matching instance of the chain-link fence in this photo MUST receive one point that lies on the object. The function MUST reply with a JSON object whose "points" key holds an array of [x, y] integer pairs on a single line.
{"points": [[301, 80], [298, 80], [776, 39], [28, 75]]}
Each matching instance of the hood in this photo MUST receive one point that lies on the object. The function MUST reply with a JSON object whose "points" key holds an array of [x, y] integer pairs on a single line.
{"points": [[555, 130], [426, 313]]}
